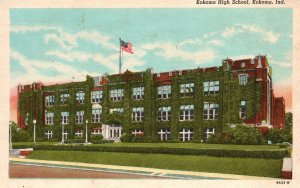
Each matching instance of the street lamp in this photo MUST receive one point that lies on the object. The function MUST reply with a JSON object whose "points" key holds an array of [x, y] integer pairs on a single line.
{"points": [[34, 122], [86, 138], [62, 133], [10, 136]]}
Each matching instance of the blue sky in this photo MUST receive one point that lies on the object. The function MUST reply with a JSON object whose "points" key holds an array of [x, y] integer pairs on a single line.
{"points": [[53, 45]]}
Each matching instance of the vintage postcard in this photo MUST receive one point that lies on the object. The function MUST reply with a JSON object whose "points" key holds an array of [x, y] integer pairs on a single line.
{"points": [[148, 93]]}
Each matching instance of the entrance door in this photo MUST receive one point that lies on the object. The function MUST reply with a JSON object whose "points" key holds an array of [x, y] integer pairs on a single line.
{"points": [[115, 131]]}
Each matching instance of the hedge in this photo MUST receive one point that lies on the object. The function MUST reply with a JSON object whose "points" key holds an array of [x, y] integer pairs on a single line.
{"points": [[270, 154], [101, 141]]}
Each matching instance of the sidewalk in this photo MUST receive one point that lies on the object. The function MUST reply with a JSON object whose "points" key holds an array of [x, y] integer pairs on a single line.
{"points": [[175, 174]]}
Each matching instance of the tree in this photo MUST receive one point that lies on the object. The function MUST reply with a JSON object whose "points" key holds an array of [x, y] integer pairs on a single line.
{"points": [[289, 120]]}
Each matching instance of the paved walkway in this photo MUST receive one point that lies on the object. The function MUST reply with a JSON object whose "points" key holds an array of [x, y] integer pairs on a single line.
{"points": [[176, 174]]}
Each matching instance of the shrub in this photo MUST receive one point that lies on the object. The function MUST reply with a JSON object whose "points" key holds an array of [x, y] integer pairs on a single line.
{"points": [[97, 137], [272, 154], [280, 135], [75, 140], [241, 134], [101, 141], [126, 138], [21, 136]]}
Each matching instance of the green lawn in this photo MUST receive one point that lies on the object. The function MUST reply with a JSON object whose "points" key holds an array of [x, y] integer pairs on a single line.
{"points": [[195, 146], [241, 166], [171, 145]]}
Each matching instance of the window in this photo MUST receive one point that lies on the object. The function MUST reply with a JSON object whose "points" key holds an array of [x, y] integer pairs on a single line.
{"points": [[187, 90], [138, 132], [97, 96], [164, 92], [96, 115], [79, 117], [164, 134], [137, 114], [80, 97], [138, 92], [116, 94], [186, 135], [243, 109], [211, 88], [64, 98], [164, 113], [208, 132], [65, 135], [97, 131], [49, 118], [210, 111], [116, 110], [243, 79], [49, 134], [78, 133], [49, 100], [186, 112], [65, 117]]}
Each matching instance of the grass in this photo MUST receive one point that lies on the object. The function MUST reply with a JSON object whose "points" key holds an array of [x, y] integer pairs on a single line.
{"points": [[195, 146], [241, 166], [171, 145]]}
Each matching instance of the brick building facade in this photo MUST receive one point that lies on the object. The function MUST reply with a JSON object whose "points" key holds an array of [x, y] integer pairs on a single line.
{"points": [[182, 105]]}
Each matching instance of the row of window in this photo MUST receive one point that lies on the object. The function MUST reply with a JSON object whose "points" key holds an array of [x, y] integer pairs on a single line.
{"points": [[210, 112], [163, 92], [184, 134], [164, 134], [78, 133]]}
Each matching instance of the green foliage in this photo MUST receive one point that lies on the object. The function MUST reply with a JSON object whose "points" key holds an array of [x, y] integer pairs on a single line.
{"points": [[241, 134], [126, 138], [270, 154], [20, 136], [289, 120], [280, 135], [75, 140], [97, 137], [101, 141]]}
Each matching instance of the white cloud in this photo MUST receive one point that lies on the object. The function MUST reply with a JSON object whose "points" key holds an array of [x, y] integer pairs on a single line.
{"points": [[33, 70], [68, 40], [216, 42], [193, 41], [169, 51], [266, 35]]}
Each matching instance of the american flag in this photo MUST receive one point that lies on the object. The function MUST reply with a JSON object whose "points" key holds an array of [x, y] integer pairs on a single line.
{"points": [[126, 46]]}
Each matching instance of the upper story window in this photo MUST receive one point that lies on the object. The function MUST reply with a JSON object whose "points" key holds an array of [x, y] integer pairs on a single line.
{"points": [[96, 115], [164, 92], [210, 111], [211, 88], [116, 110], [164, 113], [243, 109], [116, 94], [80, 97], [96, 96], [186, 112], [137, 114], [79, 117], [65, 117], [243, 78], [187, 90], [138, 92], [49, 100], [49, 118], [64, 98]]}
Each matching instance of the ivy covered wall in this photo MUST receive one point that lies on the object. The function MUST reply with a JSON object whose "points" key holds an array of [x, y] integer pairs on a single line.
{"points": [[230, 95]]}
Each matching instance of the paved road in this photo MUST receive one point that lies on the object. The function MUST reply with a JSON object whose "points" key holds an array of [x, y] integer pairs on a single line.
{"points": [[28, 171]]}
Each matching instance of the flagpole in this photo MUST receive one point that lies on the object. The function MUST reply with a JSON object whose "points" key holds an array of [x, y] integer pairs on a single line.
{"points": [[120, 60]]}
